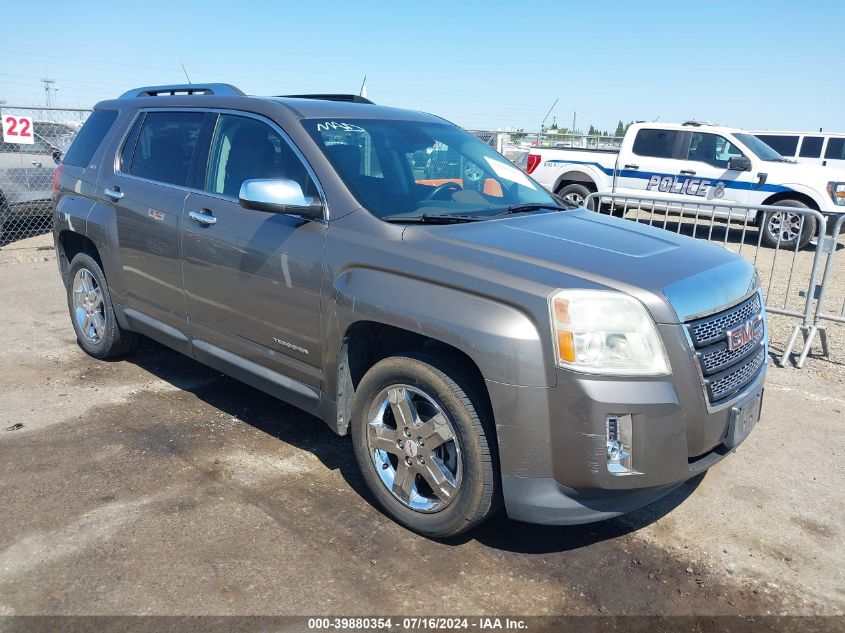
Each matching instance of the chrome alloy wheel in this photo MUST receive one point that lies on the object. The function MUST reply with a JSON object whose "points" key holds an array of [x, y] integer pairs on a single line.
{"points": [[414, 448], [88, 306], [784, 226], [574, 199]]}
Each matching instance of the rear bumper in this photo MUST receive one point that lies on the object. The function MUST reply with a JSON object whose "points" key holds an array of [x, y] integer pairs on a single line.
{"points": [[553, 441]]}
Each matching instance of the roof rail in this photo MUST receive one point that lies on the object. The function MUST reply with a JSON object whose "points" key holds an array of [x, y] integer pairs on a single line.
{"points": [[331, 97], [219, 90], [697, 123]]}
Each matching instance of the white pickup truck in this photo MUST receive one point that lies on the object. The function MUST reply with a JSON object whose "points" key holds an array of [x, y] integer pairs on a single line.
{"points": [[698, 162]]}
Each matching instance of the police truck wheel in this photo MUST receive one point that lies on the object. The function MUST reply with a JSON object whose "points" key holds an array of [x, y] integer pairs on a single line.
{"points": [[782, 229], [423, 443], [574, 194]]}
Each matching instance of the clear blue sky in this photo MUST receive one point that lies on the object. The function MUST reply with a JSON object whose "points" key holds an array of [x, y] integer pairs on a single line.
{"points": [[772, 65]]}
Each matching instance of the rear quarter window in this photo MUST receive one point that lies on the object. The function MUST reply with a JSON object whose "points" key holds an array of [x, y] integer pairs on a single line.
{"points": [[812, 147], [835, 149], [783, 145], [85, 144], [656, 143]]}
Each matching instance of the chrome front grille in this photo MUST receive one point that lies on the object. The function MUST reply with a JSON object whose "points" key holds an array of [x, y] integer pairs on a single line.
{"points": [[726, 372], [713, 328]]}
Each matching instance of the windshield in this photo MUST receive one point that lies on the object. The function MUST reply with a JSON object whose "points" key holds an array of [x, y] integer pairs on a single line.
{"points": [[423, 170], [763, 151]]}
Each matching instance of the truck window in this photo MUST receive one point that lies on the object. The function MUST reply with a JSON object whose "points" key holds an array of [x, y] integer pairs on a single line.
{"points": [[783, 145], [811, 147], [165, 146], [712, 149], [835, 149], [656, 143], [89, 138], [244, 148]]}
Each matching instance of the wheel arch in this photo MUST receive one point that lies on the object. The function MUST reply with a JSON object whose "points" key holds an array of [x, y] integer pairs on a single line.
{"points": [[575, 177], [70, 244]]}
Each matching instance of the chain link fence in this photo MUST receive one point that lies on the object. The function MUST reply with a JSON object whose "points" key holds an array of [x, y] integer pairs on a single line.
{"points": [[26, 169]]}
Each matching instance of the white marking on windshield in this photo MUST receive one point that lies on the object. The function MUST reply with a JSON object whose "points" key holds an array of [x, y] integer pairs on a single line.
{"points": [[509, 172], [327, 126]]}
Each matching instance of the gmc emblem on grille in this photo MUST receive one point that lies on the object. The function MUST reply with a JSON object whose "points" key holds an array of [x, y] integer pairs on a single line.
{"points": [[743, 334]]}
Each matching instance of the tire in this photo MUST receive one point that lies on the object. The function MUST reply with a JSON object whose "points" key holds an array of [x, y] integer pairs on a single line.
{"points": [[450, 474], [574, 194], [774, 224], [91, 311]]}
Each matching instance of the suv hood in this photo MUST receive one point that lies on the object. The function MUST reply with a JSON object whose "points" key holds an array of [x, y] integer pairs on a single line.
{"points": [[583, 249]]}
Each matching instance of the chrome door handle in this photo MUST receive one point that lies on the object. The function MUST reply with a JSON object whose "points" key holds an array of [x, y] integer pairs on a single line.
{"points": [[114, 194], [35, 163], [687, 172], [631, 167], [203, 218]]}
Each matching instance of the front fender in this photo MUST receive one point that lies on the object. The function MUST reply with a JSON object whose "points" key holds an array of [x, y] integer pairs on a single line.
{"points": [[501, 339], [822, 202]]}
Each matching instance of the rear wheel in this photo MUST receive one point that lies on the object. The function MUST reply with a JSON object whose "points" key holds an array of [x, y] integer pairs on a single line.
{"points": [[574, 194], [91, 311], [783, 229], [422, 444]]}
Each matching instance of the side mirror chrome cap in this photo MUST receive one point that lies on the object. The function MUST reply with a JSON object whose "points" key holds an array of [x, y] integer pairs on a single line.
{"points": [[278, 195]]}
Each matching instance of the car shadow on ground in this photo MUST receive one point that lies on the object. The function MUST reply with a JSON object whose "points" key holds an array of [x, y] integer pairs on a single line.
{"points": [[306, 432]]}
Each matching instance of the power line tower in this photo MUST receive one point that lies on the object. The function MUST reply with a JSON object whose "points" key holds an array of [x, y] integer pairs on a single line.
{"points": [[49, 90]]}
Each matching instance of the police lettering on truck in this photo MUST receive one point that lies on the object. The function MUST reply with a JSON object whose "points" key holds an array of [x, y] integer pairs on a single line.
{"points": [[685, 186]]}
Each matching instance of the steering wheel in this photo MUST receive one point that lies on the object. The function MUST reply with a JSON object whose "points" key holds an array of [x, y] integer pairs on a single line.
{"points": [[451, 187]]}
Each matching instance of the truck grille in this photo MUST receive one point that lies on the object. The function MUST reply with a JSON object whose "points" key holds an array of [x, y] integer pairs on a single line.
{"points": [[726, 372]]}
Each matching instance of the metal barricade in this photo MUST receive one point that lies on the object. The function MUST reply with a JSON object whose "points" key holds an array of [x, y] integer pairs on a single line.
{"points": [[788, 269], [831, 291], [26, 169]]}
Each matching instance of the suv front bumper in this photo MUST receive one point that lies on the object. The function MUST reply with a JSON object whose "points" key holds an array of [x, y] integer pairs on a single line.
{"points": [[553, 441]]}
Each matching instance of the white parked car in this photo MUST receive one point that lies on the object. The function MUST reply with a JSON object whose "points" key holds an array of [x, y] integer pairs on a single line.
{"points": [[698, 162]]}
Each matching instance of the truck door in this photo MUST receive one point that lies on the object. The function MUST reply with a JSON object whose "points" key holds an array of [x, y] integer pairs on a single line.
{"points": [[649, 168]]}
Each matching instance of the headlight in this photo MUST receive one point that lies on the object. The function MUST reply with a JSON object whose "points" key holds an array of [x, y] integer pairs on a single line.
{"points": [[836, 190], [603, 332]]}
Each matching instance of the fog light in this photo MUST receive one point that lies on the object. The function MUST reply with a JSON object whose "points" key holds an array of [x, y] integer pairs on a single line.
{"points": [[619, 442]]}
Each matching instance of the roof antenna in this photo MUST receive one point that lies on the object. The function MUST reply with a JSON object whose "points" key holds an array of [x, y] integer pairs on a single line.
{"points": [[185, 71], [363, 91]]}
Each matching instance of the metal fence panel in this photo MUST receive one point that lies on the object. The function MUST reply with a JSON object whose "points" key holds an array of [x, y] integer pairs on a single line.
{"points": [[26, 170], [789, 271]]}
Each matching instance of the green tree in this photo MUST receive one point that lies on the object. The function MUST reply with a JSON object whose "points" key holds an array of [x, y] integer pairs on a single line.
{"points": [[620, 129]]}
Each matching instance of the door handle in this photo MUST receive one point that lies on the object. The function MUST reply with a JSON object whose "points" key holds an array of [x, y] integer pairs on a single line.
{"points": [[632, 166], [35, 163], [687, 172], [114, 193], [204, 217]]}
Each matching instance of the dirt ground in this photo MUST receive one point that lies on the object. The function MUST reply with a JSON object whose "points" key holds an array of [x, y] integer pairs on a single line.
{"points": [[154, 485]]}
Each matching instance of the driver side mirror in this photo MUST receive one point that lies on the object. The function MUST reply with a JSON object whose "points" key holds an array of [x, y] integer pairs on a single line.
{"points": [[739, 163], [279, 195]]}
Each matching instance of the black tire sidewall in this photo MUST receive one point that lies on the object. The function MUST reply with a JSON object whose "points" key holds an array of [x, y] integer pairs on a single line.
{"points": [[581, 190], [103, 348], [477, 474]]}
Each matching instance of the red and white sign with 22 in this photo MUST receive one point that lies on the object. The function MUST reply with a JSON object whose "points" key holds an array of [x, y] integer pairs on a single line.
{"points": [[17, 129]]}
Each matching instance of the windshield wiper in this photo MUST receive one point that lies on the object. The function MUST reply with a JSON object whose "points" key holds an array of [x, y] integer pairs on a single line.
{"points": [[429, 218], [526, 208]]}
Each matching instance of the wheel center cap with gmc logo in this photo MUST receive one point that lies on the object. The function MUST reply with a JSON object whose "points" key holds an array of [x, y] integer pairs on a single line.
{"points": [[411, 448]]}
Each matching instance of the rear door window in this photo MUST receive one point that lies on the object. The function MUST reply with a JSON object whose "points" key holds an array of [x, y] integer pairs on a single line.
{"points": [[783, 145], [811, 147], [85, 144], [656, 143], [165, 146]]}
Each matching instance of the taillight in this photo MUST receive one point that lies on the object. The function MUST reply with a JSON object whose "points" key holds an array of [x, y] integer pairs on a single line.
{"points": [[57, 173], [533, 161]]}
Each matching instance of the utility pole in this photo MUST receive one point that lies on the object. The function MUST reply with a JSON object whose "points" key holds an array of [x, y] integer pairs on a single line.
{"points": [[543, 122], [574, 116], [49, 89]]}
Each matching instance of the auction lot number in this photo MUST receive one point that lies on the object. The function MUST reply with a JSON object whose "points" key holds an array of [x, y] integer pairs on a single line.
{"points": [[17, 129]]}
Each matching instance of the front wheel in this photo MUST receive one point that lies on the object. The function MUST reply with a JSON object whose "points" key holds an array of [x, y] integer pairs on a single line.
{"points": [[783, 229], [423, 445]]}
